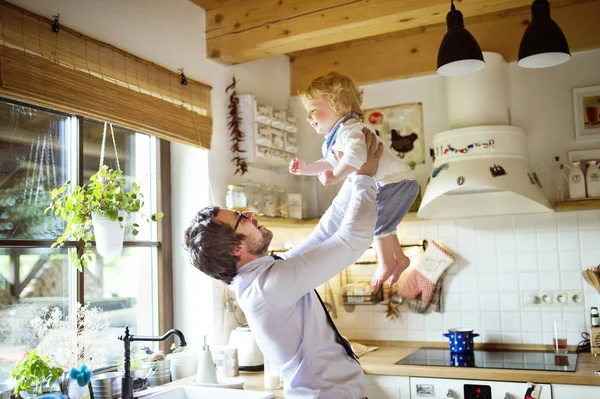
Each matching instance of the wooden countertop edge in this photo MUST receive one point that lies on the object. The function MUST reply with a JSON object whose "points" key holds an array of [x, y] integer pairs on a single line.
{"points": [[381, 362], [555, 377]]}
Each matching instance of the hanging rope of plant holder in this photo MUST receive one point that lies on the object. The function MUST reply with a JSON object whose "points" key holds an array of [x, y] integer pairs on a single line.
{"points": [[109, 234], [102, 149]]}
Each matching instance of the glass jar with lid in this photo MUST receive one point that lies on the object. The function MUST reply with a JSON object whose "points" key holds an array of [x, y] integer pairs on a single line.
{"points": [[281, 201], [268, 201], [236, 197], [253, 197]]}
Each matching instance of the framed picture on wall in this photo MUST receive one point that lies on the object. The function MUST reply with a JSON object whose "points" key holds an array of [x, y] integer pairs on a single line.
{"points": [[400, 127], [586, 105]]}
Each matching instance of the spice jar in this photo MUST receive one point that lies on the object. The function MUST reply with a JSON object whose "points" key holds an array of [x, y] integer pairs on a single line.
{"points": [[281, 201], [236, 197], [253, 197], [268, 202]]}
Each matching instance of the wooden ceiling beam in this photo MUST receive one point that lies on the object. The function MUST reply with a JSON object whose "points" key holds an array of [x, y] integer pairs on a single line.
{"points": [[209, 4], [241, 31], [414, 52]]}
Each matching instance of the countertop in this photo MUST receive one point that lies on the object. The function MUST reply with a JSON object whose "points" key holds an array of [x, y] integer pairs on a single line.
{"points": [[382, 361]]}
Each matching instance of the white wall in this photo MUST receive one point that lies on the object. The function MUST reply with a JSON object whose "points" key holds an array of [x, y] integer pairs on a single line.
{"points": [[542, 104]]}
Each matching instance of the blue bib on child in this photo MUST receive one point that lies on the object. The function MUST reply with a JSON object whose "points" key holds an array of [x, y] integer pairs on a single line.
{"points": [[330, 139]]}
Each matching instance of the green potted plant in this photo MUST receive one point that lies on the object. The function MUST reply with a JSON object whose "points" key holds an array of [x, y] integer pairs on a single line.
{"points": [[97, 212], [33, 372]]}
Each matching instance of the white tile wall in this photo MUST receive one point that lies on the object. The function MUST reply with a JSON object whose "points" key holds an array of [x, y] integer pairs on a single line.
{"points": [[498, 259]]}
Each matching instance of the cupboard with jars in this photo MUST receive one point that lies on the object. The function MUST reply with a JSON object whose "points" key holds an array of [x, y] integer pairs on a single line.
{"points": [[262, 199], [270, 142]]}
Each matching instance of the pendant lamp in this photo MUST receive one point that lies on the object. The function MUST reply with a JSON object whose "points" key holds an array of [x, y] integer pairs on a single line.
{"points": [[543, 43], [459, 53]]}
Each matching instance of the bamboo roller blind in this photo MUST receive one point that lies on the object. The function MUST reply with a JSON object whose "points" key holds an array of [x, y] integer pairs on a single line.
{"points": [[74, 73]]}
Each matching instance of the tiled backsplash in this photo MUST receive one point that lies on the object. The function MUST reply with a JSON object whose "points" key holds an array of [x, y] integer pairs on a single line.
{"points": [[498, 258]]}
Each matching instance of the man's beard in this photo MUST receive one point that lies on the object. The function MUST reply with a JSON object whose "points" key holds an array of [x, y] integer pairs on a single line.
{"points": [[260, 248]]}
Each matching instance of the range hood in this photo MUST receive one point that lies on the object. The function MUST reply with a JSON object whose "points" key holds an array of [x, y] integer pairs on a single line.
{"points": [[481, 165]]}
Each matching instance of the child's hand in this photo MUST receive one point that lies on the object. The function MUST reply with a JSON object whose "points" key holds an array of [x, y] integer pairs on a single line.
{"points": [[297, 166], [326, 178]]}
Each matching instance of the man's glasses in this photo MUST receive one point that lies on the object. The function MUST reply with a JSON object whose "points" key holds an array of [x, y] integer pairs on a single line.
{"points": [[239, 219]]}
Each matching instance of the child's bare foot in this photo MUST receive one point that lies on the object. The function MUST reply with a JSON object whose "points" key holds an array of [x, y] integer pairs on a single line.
{"points": [[385, 272], [401, 265]]}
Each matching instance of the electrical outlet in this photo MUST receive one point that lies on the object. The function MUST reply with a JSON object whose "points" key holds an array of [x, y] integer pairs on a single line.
{"points": [[552, 298], [560, 298], [576, 298], [547, 298], [531, 299]]}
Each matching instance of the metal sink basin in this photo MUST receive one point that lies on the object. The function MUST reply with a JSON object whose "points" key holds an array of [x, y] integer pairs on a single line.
{"points": [[197, 392]]}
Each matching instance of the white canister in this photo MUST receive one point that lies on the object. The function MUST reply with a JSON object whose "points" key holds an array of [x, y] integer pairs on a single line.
{"points": [[592, 179], [576, 181], [183, 364]]}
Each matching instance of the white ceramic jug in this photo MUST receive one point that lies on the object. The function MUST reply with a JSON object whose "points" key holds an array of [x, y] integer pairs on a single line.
{"points": [[576, 181], [592, 179]]}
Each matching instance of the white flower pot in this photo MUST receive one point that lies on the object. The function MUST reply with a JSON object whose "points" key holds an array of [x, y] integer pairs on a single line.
{"points": [[109, 236]]}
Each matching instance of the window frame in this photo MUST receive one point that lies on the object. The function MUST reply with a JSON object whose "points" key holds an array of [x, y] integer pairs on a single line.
{"points": [[163, 241]]}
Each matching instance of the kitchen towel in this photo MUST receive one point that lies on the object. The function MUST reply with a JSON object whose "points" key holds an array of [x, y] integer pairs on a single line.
{"points": [[417, 305], [361, 349], [422, 277]]}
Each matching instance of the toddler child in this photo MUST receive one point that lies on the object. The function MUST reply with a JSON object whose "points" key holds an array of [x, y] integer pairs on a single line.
{"points": [[333, 103]]}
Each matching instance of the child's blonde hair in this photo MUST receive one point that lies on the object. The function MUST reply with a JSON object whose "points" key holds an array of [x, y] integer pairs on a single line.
{"points": [[339, 90]]}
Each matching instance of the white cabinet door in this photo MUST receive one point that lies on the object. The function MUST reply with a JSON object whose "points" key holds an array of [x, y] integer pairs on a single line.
{"points": [[387, 387], [560, 391]]}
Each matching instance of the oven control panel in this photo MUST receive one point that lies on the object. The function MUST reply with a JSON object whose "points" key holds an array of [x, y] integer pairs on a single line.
{"points": [[478, 391], [450, 388]]}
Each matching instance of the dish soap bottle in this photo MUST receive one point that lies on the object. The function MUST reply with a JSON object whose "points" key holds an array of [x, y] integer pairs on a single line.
{"points": [[206, 368], [592, 179], [576, 181]]}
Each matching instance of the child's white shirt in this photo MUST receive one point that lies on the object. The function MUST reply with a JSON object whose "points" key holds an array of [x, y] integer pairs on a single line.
{"points": [[351, 141]]}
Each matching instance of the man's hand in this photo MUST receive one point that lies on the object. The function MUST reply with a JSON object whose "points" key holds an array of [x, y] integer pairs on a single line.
{"points": [[297, 166], [374, 152]]}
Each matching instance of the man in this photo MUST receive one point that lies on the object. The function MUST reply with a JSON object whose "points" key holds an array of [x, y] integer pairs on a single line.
{"points": [[286, 315]]}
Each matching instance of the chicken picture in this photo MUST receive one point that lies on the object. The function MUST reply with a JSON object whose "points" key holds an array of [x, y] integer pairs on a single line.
{"points": [[402, 144]]}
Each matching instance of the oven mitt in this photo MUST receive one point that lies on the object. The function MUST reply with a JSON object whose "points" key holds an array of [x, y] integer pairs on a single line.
{"points": [[425, 274]]}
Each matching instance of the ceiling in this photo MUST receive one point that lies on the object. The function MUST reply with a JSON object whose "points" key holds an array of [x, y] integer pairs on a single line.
{"points": [[375, 40]]}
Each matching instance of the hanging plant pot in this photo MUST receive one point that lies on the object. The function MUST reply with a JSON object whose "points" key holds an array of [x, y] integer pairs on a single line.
{"points": [[109, 236]]}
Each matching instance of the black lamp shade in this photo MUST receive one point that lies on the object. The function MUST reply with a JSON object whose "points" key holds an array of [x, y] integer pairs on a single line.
{"points": [[459, 52], [543, 43]]}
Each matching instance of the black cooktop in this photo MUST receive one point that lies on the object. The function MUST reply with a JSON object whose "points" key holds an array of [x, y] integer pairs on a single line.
{"points": [[517, 360]]}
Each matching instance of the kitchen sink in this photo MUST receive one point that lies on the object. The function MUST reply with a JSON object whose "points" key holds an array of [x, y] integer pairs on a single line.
{"points": [[192, 391]]}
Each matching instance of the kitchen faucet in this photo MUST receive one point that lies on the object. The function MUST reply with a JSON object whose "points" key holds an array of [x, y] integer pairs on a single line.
{"points": [[127, 380]]}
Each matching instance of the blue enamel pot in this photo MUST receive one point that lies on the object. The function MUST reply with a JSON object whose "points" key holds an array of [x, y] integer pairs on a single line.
{"points": [[461, 340], [462, 359]]}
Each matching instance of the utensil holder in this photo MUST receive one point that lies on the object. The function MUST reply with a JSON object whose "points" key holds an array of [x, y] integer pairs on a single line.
{"points": [[595, 340]]}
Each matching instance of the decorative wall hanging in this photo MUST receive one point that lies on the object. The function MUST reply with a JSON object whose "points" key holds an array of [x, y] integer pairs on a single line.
{"points": [[586, 106], [237, 136], [497, 170], [464, 150], [401, 128], [437, 170]]}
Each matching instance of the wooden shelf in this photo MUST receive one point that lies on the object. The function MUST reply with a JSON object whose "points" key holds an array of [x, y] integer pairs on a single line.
{"points": [[577, 205], [285, 222]]}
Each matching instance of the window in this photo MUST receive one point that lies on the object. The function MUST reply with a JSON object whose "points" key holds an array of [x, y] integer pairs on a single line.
{"points": [[40, 150]]}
